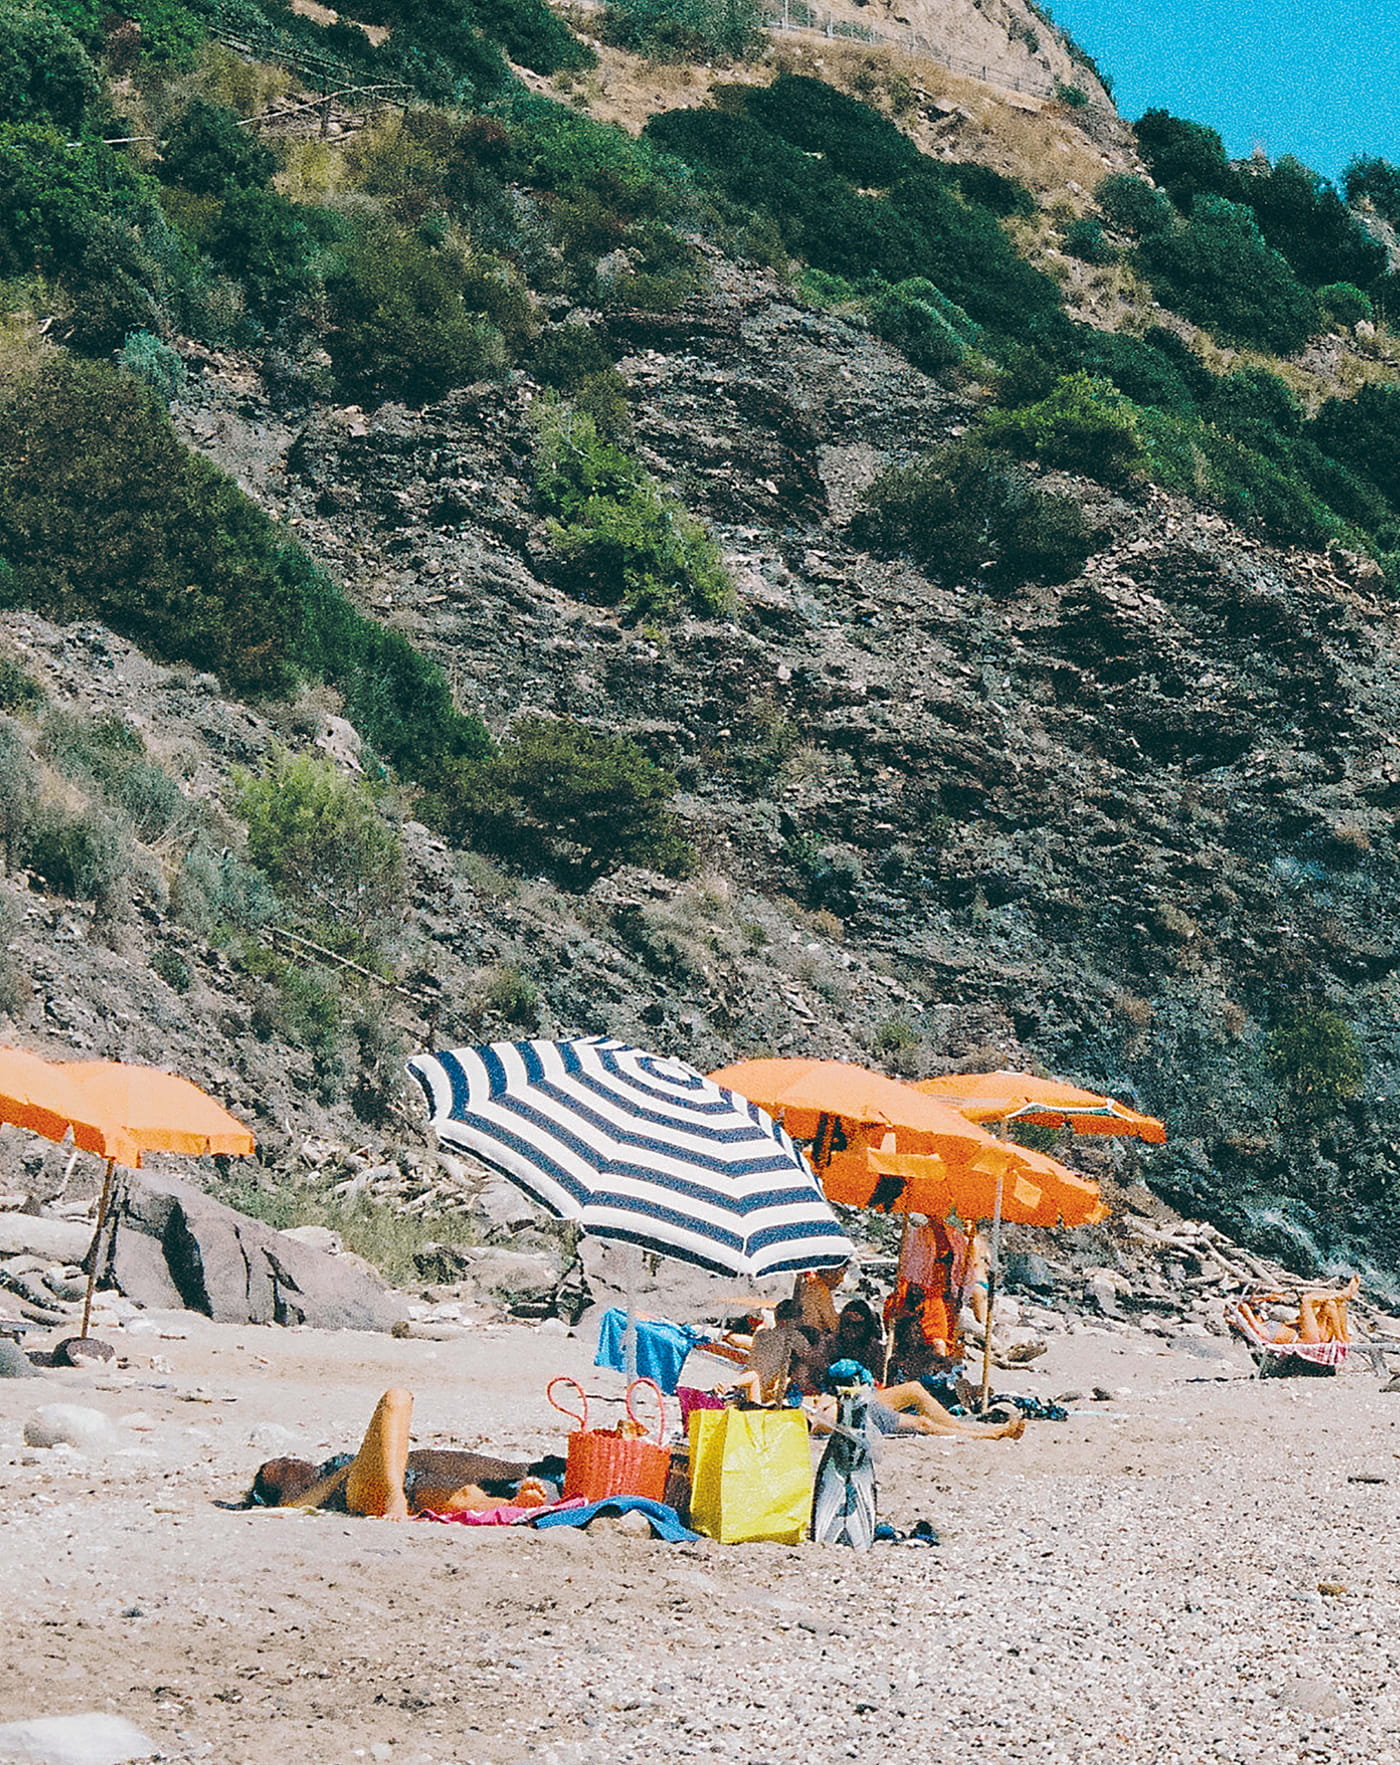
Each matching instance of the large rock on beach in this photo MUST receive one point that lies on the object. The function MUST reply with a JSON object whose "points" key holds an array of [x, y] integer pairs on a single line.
{"points": [[169, 1246], [92, 1738], [26, 1234]]}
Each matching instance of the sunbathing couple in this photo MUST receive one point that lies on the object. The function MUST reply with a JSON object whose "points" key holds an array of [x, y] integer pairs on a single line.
{"points": [[797, 1362], [1322, 1317], [388, 1482]]}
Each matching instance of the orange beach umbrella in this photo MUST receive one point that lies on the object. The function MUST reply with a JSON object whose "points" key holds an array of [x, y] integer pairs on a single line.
{"points": [[159, 1110], [39, 1095], [1047, 1103], [837, 1105]]}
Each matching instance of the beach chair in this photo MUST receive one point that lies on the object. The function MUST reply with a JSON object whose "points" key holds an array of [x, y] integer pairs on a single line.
{"points": [[1282, 1360]]}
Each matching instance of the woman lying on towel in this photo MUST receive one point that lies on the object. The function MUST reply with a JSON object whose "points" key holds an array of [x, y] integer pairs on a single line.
{"points": [[1322, 1317], [387, 1481]]}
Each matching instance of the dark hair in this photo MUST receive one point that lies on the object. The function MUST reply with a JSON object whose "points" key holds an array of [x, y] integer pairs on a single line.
{"points": [[787, 1311]]}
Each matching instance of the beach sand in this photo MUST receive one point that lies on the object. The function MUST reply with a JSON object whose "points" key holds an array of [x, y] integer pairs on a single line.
{"points": [[1201, 1567]]}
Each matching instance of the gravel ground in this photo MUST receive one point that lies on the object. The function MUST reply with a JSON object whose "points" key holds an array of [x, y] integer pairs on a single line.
{"points": [[1199, 1567]]}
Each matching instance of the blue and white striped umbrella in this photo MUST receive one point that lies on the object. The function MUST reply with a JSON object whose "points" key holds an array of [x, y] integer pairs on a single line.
{"points": [[636, 1147]]}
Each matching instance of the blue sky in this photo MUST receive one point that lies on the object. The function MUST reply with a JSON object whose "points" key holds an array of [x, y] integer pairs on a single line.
{"points": [[1316, 78]]}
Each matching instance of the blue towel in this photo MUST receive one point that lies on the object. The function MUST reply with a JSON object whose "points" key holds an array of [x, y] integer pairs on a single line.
{"points": [[661, 1348], [665, 1522]]}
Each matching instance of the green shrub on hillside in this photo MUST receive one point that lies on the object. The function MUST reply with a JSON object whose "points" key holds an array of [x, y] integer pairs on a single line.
{"points": [[684, 30], [1345, 304], [1131, 205], [618, 535], [1369, 179], [45, 75], [154, 362], [323, 844], [854, 139], [1304, 219], [1083, 425], [1187, 159], [964, 512], [1363, 434], [403, 325], [210, 152], [565, 799], [1256, 407], [921, 322], [83, 854], [1084, 238], [1141, 370], [1315, 1056], [108, 753], [106, 515], [1216, 270]]}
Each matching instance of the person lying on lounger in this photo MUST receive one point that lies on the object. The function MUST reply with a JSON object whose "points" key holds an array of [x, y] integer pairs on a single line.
{"points": [[1322, 1317]]}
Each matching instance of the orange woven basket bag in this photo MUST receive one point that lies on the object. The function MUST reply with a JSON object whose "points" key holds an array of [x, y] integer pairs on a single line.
{"points": [[618, 1461]]}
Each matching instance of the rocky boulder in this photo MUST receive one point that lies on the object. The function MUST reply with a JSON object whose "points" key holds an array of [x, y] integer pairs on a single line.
{"points": [[168, 1245]]}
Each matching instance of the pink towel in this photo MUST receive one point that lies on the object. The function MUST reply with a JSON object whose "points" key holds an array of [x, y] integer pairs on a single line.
{"points": [[507, 1514]]}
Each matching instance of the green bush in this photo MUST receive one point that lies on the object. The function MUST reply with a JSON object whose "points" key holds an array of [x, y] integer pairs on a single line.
{"points": [[216, 894], [964, 512], [1132, 205], [45, 75], [569, 801], [1304, 219], [1217, 271], [211, 152], [1074, 97], [155, 362], [115, 519], [918, 320], [19, 792], [402, 325], [1345, 304], [1256, 407], [1085, 239], [85, 855], [109, 753], [854, 139], [1187, 159], [19, 691], [1363, 433], [684, 30], [1315, 1056], [617, 534], [323, 844], [1084, 425], [1141, 370], [1375, 181]]}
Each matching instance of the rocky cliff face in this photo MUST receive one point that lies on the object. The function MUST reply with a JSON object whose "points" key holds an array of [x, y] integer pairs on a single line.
{"points": [[1120, 827]]}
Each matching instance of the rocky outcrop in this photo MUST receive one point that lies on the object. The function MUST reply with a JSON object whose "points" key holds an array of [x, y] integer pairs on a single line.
{"points": [[168, 1245]]}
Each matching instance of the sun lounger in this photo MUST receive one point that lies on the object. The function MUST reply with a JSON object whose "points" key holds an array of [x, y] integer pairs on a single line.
{"points": [[1278, 1360]]}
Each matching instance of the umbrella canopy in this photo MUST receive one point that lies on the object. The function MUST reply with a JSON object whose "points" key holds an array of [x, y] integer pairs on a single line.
{"points": [[160, 1112], [1047, 1103], [1036, 1190], [638, 1148], [44, 1097], [837, 1105]]}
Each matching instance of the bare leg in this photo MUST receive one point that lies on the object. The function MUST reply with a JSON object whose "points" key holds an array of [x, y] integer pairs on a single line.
{"points": [[928, 1416], [375, 1481], [1311, 1324]]}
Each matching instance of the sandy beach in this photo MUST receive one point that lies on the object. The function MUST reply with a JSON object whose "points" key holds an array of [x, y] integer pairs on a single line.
{"points": [[1198, 1567]]}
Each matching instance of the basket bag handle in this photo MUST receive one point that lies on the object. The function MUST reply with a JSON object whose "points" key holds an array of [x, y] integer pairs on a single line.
{"points": [[580, 1415], [655, 1389]]}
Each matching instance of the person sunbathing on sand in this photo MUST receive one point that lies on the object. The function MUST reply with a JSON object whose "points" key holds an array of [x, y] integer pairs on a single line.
{"points": [[905, 1409], [387, 1481]]}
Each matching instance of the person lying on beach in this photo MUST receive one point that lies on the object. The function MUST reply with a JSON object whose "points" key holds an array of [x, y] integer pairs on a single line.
{"points": [[903, 1409], [386, 1480]]}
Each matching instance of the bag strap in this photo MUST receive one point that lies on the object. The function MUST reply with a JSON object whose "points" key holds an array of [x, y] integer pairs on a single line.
{"points": [[579, 1415], [655, 1389]]}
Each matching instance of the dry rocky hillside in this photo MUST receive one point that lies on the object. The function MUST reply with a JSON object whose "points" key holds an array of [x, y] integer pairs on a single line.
{"points": [[1113, 827]]}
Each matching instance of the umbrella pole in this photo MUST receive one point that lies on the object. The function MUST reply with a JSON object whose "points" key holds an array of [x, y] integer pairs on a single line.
{"points": [[102, 1207], [993, 1270], [629, 1335]]}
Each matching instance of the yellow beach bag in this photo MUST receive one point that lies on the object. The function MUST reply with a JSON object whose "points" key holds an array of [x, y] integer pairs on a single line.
{"points": [[750, 1475]]}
